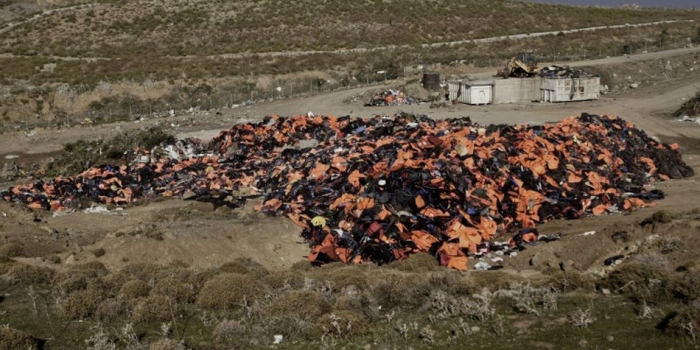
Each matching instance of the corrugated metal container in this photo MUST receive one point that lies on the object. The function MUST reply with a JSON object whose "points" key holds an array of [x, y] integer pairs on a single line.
{"points": [[575, 89], [471, 92]]}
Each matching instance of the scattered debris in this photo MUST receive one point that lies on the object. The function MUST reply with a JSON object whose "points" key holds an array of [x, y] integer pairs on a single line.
{"points": [[103, 210], [380, 189], [559, 72], [613, 260], [690, 109], [389, 98]]}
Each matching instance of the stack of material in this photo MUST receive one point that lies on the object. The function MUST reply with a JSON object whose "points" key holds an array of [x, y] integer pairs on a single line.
{"points": [[389, 98], [564, 72], [380, 189]]}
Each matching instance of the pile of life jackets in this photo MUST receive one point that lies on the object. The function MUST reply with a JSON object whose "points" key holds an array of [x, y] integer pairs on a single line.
{"points": [[380, 189]]}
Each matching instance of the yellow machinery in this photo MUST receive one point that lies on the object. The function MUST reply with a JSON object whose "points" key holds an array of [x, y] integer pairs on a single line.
{"points": [[522, 65]]}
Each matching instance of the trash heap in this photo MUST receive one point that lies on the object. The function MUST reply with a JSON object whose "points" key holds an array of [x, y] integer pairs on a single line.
{"points": [[389, 98], [380, 189], [690, 108], [564, 72]]}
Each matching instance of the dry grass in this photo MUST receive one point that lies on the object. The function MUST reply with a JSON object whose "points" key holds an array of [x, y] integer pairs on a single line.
{"points": [[341, 276], [641, 282], [81, 304], [11, 250], [11, 338], [343, 324], [175, 289], [111, 310], [421, 262], [134, 289], [570, 281], [156, 308], [244, 266], [290, 279], [305, 304], [29, 274], [226, 291]]}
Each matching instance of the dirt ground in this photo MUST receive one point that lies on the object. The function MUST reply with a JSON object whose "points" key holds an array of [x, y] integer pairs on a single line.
{"points": [[197, 235]]}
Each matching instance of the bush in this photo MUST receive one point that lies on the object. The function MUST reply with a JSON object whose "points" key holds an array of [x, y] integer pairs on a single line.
{"points": [[156, 308], [228, 330], [293, 327], [70, 283], [134, 289], [198, 279], [493, 280], [344, 324], [11, 250], [110, 310], [11, 338], [166, 344], [420, 262], [81, 304], [640, 282], [244, 266], [659, 217], [144, 272], [278, 279], [687, 287], [29, 274], [99, 252], [570, 281], [302, 266], [298, 302], [113, 283], [341, 277], [174, 289], [452, 282], [226, 291], [684, 322], [92, 269], [398, 290]]}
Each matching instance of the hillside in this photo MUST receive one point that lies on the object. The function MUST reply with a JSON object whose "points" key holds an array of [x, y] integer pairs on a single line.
{"points": [[150, 57], [200, 28]]}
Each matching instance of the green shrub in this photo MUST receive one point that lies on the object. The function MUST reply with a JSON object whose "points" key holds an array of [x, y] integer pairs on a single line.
{"points": [[226, 291]]}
